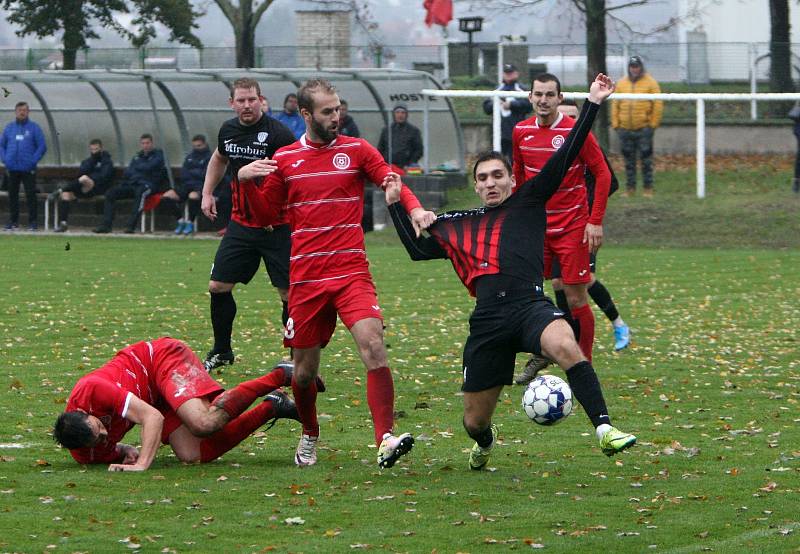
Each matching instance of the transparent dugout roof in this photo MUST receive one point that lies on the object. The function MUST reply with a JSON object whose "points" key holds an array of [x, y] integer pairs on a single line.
{"points": [[117, 106]]}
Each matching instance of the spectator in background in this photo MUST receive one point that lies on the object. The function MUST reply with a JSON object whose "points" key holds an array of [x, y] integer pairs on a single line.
{"points": [[636, 122], [22, 145], [406, 140], [193, 173], [96, 173], [347, 126], [290, 116], [512, 110], [145, 175]]}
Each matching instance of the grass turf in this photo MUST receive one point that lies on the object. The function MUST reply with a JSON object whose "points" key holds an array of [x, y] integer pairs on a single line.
{"points": [[710, 386]]}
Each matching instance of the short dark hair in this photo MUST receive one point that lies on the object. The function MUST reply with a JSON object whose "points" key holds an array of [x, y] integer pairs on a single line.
{"points": [[72, 430], [146, 136], [245, 83], [21, 103], [304, 98], [547, 78], [199, 137], [488, 156], [343, 102], [288, 96], [98, 142], [568, 102]]}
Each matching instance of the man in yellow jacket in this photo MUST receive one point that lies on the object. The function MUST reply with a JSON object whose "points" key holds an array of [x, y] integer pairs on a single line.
{"points": [[635, 122]]}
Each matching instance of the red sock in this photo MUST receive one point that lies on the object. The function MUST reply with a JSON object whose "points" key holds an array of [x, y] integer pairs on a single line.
{"points": [[380, 397], [237, 399], [306, 401], [585, 319], [235, 432]]}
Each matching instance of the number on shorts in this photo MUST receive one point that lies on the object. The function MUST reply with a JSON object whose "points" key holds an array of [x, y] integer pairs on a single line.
{"points": [[288, 330]]}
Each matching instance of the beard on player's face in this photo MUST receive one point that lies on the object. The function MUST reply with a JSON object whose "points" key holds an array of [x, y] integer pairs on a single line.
{"points": [[324, 134]]}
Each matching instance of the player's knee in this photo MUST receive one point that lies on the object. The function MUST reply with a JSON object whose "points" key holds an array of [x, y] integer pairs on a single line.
{"points": [[218, 287], [374, 351], [202, 427]]}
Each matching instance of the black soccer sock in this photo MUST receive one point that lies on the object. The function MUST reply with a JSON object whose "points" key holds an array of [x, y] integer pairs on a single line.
{"points": [[285, 312], [602, 298], [63, 211], [561, 301], [483, 438], [194, 208], [586, 388], [223, 312]]}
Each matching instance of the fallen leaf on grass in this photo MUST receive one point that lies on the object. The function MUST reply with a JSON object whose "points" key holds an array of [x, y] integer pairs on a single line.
{"points": [[294, 521]]}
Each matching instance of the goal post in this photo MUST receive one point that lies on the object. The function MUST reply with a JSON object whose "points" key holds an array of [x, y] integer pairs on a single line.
{"points": [[699, 98]]}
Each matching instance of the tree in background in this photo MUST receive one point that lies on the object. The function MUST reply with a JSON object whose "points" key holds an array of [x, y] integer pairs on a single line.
{"points": [[780, 48], [76, 19]]}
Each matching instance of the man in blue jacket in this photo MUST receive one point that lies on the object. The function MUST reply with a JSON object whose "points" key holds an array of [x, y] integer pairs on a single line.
{"points": [[94, 179], [145, 175], [22, 145], [512, 110], [290, 116], [193, 174]]}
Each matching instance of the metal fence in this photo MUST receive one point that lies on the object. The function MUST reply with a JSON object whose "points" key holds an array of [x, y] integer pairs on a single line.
{"points": [[687, 62]]}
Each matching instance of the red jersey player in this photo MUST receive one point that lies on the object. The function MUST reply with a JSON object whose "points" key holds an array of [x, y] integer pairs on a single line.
{"points": [[320, 180], [163, 386], [572, 232]]}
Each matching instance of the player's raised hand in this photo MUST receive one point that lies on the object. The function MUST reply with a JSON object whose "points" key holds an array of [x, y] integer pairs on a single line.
{"points": [[258, 168], [601, 88], [392, 186]]}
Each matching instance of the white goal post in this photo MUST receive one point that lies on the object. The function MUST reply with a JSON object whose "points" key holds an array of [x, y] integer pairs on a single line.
{"points": [[699, 98]]}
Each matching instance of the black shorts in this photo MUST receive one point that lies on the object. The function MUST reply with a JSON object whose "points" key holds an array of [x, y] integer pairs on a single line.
{"points": [[556, 271], [75, 188], [184, 190], [242, 249], [498, 330]]}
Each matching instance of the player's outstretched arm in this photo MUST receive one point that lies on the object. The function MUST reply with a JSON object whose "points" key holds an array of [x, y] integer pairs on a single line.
{"points": [[152, 422]]}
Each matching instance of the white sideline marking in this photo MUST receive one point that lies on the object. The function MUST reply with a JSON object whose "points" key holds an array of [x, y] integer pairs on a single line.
{"points": [[737, 540], [13, 445]]}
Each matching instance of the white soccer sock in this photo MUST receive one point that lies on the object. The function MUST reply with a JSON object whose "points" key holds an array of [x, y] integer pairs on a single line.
{"points": [[618, 322], [601, 430]]}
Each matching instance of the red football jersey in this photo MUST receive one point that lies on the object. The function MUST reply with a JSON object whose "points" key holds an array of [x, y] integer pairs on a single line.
{"points": [[322, 188], [106, 393], [533, 145]]}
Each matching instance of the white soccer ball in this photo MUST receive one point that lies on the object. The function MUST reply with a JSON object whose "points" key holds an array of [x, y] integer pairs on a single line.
{"points": [[547, 400]]}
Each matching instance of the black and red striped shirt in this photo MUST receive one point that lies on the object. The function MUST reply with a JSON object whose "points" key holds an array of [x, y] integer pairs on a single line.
{"points": [[241, 145], [504, 241]]}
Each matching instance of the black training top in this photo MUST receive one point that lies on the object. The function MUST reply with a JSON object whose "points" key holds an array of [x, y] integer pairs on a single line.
{"points": [[242, 144], [499, 248]]}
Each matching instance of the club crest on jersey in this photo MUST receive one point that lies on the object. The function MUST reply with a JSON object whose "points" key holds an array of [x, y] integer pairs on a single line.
{"points": [[341, 161], [557, 141], [262, 136]]}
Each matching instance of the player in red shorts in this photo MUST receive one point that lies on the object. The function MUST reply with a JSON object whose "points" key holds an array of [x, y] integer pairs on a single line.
{"points": [[572, 231], [163, 386], [320, 181]]}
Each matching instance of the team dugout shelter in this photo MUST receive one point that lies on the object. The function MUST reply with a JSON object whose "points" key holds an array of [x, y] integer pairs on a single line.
{"points": [[118, 106]]}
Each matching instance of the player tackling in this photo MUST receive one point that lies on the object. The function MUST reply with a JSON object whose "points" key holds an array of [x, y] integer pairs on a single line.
{"points": [[505, 273], [320, 181]]}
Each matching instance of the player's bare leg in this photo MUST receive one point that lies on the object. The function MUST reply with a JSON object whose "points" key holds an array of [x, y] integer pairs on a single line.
{"points": [[368, 335], [478, 410], [304, 388], [558, 343]]}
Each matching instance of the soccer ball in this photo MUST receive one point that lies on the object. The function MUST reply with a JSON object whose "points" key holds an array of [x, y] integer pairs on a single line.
{"points": [[547, 400]]}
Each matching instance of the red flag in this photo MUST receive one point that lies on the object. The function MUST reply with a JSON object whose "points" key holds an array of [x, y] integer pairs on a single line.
{"points": [[440, 12]]}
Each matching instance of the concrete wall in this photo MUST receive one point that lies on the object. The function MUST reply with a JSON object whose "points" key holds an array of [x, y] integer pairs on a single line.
{"points": [[318, 35], [680, 139]]}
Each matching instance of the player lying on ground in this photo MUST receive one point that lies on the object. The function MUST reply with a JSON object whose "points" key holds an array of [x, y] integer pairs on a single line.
{"points": [[163, 386], [497, 252], [319, 181]]}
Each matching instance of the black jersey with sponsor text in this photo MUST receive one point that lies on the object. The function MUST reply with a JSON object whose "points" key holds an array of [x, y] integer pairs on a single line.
{"points": [[242, 144]]}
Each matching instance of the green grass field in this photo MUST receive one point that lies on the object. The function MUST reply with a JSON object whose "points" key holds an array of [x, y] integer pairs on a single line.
{"points": [[710, 386]]}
